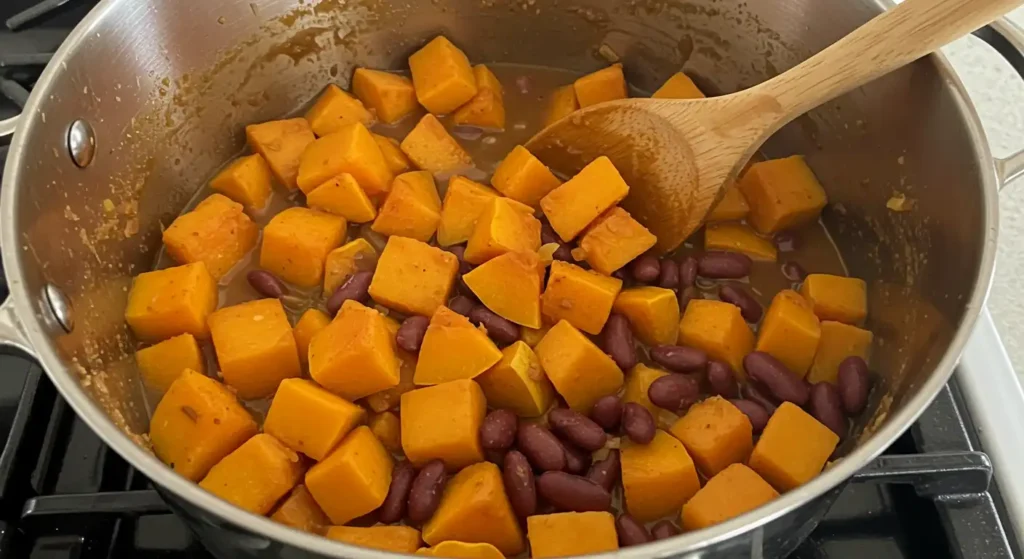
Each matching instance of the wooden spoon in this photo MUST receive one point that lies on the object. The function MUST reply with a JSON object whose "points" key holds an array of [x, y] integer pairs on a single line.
{"points": [[677, 156]]}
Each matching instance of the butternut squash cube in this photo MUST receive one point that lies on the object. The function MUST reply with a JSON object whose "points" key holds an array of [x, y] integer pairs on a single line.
{"points": [[567, 534], [718, 329], [343, 196], [614, 240], [217, 232], [453, 349], [570, 208], [412, 209], [657, 478], [734, 491], [442, 76], [256, 475], [393, 156], [475, 509], [246, 181], [487, 108], [518, 383], [793, 448], [390, 398], [296, 243], [838, 341], [170, 302], [388, 429], [255, 347], [335, 109], [679, 86], [577, 368], [281, 143], [391, 96], [301, 512], [464, 201], [606, 84], [462, 550], [533, 336], [398, 539], [638, 382], [443, 422], [522, 177], [509, 285], [652, 311], [353, 479], [837, 298], [354, 355], [309, 419], [737, 237], [782, 193], [790, 332], [561, 104], [732, 207], [716, 434], [310, 324], [354, 256], [196, 424], [413, 277], [350, 150], [502, 227], [431, 148], [161, 364], [582, 297]]}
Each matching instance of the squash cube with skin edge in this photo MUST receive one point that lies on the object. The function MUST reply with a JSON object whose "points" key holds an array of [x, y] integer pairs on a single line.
{"points": [[734, 491], [442, 76], [732, 207], [412, 209], [255, 347], [502, 227], [518, 382], [510, 286], [570, 208], [838, 341], [577, 368], [657, 478], [790, 332], [679, 86], [343, 196], [217, 232], [393, 156], [357, 255], [522, 177], [453, 349], [476, 509], [464, 201], [247, 180], [614, 240], [718, 329], [652, 311], [487, 108], [638, 383], [716, 434], [431, 148], [388, 429], [161, 364], [568, 534], [354, 356], [793, 448], [310, 324], [443, 421], [353, 479], [413, 277], [335, 109], [170, 302], [837, 298], [607, 84], [296, 243], [281, 143], [197, 423], [256, 475], [737, 237], [782, 194], [561, 104], [350, 150], [391, 96], [462, 550], [397, 539], [582, 297], [309, 419], [301, 512]]}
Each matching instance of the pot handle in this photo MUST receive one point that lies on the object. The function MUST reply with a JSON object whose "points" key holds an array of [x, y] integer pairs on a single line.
{"points": [[8, 126], [1007, 38], [12, 336]]}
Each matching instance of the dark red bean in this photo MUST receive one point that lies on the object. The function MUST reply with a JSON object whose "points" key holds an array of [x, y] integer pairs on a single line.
{"points": [[756, 393], [266, 284], [688, 272], [356, 287], [498, 430], [577, 460], [542, 448], [638, 423], [577, 428], [787, 241], [425, 493], [793, 271], [686, 295], [645, 268], [411, 332], [606, 472], [631, 531], [750, 308], [548, 236], [724, 265], [722, 380], [782, 383], [674, 392], [496, 457], [500, 329], [827, 407], [460, 252], [461, 304], [393, 508], [680, 359], [617, 339], [854, 383], [755, 413], [573, 493], [669, 276], [664, 530], [519, 484], [607, 412], [620, 274]]}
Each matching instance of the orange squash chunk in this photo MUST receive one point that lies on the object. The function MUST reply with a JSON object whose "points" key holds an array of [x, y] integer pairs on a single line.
{"points": [[518, 383], [502, 227], [412, 209], [657, 478], [310, 324], [388, 429], [790, 332], [567, 534], [161, 364], [734, 491], [577, 368], [343, 196], [638, 382], [522, 177], [301, 512], [433, 149], [256, 475], [389, 398], [679, 86], [255, 347], [716, 434], [296, 243], [350, 150], [561, 104], [398, 539], [570, 208], [442, 76], [393, 156], [582, 297], [737, 237], [509, 285], [309, 419], [354, 479], [170, 302], [533, 336], [281, 143], [334, 109], [391, 96], [652, 311], [217, 232], [246, 180], [732, 207], [475, 509], [614, 240], [453, 349], [837, 298], [413, 277], [838, 341], [354, 256], [717, 328], [464, 201], [455, 440], [487, 108], [782, 193], [462, 550], [607, 84], [793, 448], [354, 355]]}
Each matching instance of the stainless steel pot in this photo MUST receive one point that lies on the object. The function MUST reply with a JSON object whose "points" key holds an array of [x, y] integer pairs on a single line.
{"points": [[148, 97]]}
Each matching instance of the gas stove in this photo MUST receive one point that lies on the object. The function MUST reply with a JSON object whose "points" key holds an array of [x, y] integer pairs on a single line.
{"points": [[946, 489]]}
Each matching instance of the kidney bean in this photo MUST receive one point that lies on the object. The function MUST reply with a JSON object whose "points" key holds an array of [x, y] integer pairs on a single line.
{"points": [[686, 295], [460, 252], [724, 265], [356, 287], [461, 304], [664, 530], [673, 392], [669, 276], [519, 484], [750, 308], [827, 407], [755, 393], [411, 332], [793, 271], [755, 413], [680, 359], [499, 328], [646, 268], [770, 372], [393, 508], [854, 383], [498, 430], [688, 272], [541, 447], [630, 531], [577, 428], [722, 380], [266, 284], [620, 274], [548, 236], [787, 241], [618, 341], [606, 472], [577, 460], [426, 490], [607, 412], [638, 423], [496, 457], [573, 493]]}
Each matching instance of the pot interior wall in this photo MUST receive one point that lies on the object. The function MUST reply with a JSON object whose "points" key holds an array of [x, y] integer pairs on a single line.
{"points": [[169, 85]]}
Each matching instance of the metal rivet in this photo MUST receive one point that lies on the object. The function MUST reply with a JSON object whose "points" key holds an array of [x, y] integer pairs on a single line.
{"points": [[60, 306], [81, 143]]}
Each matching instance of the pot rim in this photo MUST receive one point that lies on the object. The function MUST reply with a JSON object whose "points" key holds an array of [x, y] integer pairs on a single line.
{"points": [[67, 384]]}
